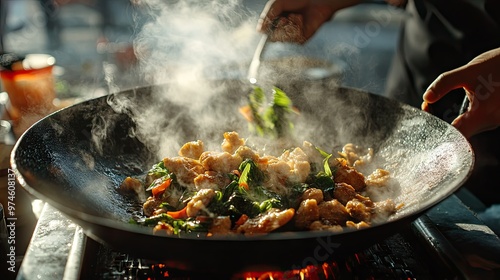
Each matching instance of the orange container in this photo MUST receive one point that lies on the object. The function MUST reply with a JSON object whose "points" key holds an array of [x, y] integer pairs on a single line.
{"points": [[31, 89]]}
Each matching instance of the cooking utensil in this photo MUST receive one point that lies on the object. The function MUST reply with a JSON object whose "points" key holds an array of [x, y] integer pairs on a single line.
{"points": [[256, 59], [465, 105], [253, 69], [75, 159]]}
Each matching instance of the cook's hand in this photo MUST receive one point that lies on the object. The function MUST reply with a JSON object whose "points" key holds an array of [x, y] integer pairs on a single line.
{"points": [[481, 80], [298, 20]]}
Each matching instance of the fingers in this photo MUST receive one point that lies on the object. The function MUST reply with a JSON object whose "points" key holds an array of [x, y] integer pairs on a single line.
{"points": [[425, 107], [445, 83], [463, 126], [290, 29], [470, 124], [479, 80], [266, 17], [297, 21], [272, 10], [283, 26]]}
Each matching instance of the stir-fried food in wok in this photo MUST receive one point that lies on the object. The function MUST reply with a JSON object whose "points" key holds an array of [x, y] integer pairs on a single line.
{"points": [[237, 190]]}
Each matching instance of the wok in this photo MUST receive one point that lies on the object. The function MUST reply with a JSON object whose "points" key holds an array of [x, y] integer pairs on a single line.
{"points": [[75, 158]]}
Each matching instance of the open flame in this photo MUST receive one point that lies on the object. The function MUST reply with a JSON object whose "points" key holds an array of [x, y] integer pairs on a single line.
{"points": [[311, 272]]}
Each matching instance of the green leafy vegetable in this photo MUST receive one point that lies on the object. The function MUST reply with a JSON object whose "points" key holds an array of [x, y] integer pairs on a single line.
{"points": [[245, 196], [271, 119], [251, 174], [158, 170], [295, 196], [179, 225], [326, 166], [324, 179], [157, 175]]}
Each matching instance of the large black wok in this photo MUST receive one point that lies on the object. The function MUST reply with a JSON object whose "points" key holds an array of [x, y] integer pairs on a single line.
{"points": [[75, 159]]}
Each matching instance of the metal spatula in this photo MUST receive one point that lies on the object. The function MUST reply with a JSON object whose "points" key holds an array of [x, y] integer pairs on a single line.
{"points": [[257, 57]]}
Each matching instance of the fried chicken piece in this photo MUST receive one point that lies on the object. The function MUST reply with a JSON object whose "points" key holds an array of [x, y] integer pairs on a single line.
{"points": [[299, 164], [312, 153], [163, 229], [344, 192], [221, 226], [192, 149], [185, 169], [313, 193], [383, 209], [349, 175], [359, 225], [307, 213], [222, 162], [246, 152], [387, 206], [356, 155], [333, 212], [199, 202], [231, 142], [131, 186], [211, 180], [359, 210], [266, 222], [378, 178], [150, 206], [291, 166]]}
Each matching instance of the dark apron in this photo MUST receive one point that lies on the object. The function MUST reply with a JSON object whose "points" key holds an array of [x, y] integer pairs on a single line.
{"points": [[439, 36]]}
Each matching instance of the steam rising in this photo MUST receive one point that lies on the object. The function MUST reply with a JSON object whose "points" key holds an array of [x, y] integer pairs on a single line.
{"points": [[186, 40], [185, 44]]}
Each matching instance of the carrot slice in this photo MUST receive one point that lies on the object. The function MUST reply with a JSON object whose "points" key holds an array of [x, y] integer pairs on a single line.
{"points": [[181, 214], [243, 218], [244, 185], [158, 190], [246, 112]]}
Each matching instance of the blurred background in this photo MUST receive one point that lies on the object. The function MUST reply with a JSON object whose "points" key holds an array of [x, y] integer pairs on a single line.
{"points": [[82, 35]]}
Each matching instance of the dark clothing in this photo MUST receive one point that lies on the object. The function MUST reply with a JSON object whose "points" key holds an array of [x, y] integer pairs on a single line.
{"points": [[3, 23], [438, 36], [52, 24]]}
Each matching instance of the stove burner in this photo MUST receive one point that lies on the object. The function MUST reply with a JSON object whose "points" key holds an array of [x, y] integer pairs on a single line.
{"points": [[394, 258]]}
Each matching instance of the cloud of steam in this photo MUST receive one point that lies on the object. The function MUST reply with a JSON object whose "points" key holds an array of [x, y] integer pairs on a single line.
{"points": [[185, 44], [186, 40]]}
